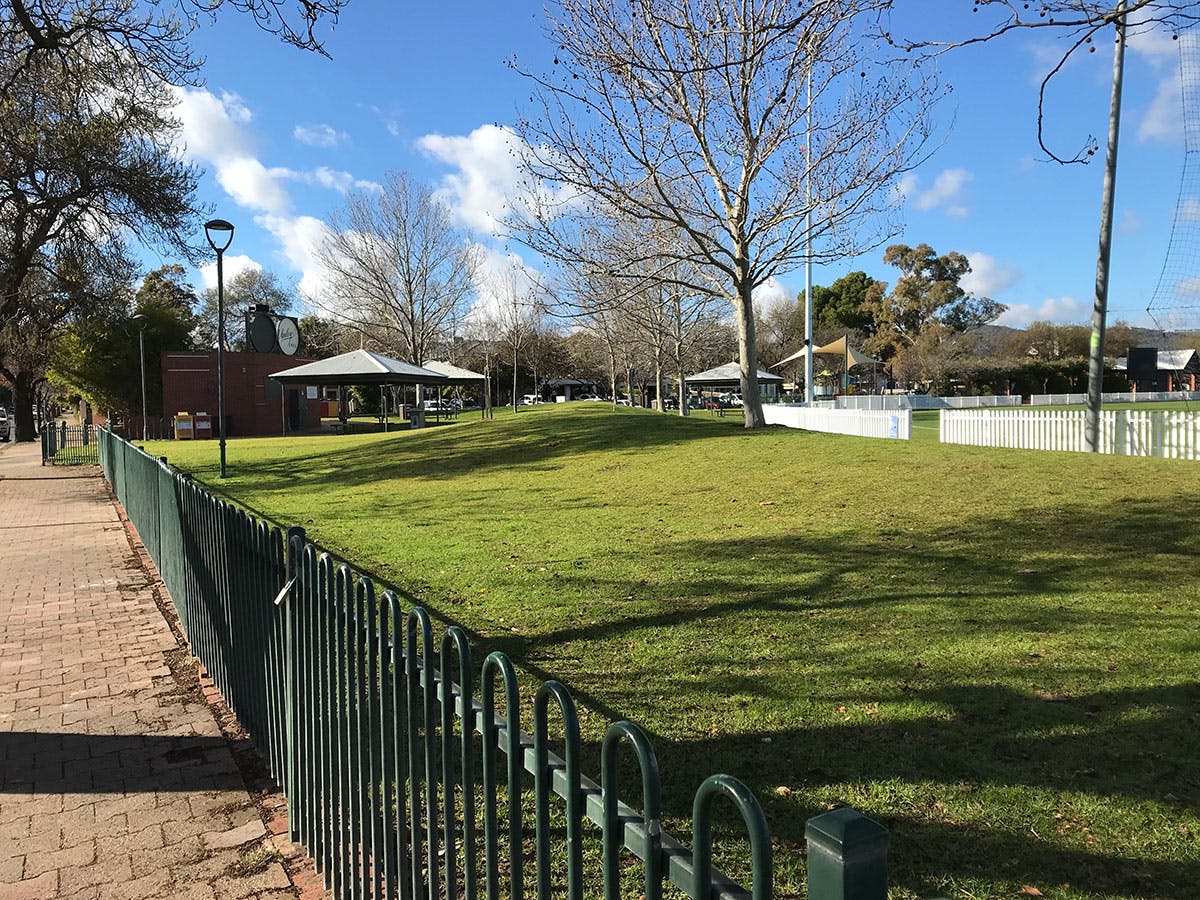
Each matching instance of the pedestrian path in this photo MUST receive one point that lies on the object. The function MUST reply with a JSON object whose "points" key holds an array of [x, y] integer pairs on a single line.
{"points": [[115, 778]]}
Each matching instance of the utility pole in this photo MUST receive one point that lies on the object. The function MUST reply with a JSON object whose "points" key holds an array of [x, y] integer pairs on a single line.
{"points": [[1091, 436]]}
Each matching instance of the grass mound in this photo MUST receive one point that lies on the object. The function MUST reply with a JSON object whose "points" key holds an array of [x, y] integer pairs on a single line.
{"points": [[992, 652]]}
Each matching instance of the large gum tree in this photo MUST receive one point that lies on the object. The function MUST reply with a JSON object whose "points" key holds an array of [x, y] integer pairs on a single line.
{"points": [[696, 114]]}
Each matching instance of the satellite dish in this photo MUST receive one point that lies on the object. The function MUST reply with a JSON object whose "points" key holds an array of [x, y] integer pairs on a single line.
{"points": [[261, 334]]}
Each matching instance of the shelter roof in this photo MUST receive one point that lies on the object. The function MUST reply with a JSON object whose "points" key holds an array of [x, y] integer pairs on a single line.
{"points": [[730, 373], [359, 367], [454, 374]]}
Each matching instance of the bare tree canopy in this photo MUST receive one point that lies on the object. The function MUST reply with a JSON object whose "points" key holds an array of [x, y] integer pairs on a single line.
{"points": [[396, 266], [1081, 23], [697, 115], [150, 34]]}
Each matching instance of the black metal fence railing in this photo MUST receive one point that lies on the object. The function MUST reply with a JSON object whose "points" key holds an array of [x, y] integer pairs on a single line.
{"points": [[70, 445], [404, 776]]}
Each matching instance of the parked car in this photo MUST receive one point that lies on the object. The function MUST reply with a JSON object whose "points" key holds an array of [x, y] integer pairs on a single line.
{"points": [[439, 406], [730, 399], [592, 397], [624, 401], [531, 400], [5, 425], [670, 403]]}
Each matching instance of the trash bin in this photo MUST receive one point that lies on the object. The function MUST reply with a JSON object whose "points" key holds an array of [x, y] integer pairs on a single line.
{"points": [[183, 426], [202, 426], [416, 417]]}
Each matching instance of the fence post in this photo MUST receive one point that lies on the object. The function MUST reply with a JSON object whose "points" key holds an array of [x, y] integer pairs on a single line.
{"points": [[294, 551], [847, 856]]}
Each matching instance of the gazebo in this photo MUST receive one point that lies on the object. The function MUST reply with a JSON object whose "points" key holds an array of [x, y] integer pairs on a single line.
{"points": [[729, 377], [360, 367]]}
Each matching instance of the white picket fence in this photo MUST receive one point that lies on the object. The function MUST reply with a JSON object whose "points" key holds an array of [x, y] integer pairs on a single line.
{"points": [[917, 401], [896, 423], [1113, 397], [1126, 432]]}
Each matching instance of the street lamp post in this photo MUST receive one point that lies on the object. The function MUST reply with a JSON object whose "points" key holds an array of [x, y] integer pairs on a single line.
{"points": [[142, 321], [220, 228]]}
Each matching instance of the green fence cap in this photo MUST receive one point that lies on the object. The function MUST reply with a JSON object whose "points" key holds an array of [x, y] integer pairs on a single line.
{"points": [[844, 828]]}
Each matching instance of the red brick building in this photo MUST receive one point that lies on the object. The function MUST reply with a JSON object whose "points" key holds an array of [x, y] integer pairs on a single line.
{"points": [[254, 404]]}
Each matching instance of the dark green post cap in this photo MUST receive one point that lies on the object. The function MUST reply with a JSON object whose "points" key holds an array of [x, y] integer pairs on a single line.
{"points": [[847, 857]]}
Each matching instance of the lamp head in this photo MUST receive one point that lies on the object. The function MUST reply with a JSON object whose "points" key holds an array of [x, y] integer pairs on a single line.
{"points": [[140, 320], [216, 230]]}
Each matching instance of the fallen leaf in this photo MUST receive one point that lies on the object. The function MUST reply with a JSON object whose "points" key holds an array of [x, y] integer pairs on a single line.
{"points": [[1050, 698], [783, 791], [1029, 890]]}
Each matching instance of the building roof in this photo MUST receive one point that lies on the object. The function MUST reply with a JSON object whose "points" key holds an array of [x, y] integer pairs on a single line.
{"points": [[359, 367], [730, 373], [1169, 361]]}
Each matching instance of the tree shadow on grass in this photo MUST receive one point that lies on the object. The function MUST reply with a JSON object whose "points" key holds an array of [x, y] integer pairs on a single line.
{"points": [[529, 441]]}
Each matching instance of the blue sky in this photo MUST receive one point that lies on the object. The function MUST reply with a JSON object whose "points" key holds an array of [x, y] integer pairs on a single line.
{"points": [[283, 134]]}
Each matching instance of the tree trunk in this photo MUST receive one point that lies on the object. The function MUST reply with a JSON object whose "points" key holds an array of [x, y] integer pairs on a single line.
{"points": [[514, 396], [681, 391], [748, 356], [22, 393], [612, 375], [658, 378]]}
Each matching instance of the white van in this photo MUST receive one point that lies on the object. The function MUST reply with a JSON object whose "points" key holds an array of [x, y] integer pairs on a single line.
{"points": [[531, 400]]}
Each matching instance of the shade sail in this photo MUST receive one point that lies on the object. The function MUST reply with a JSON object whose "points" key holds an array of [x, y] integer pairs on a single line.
{"points": [[359, 367], [840, 347]]}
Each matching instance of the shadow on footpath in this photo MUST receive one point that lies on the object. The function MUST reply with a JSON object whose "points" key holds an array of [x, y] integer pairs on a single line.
{"points": [[72, 763]]}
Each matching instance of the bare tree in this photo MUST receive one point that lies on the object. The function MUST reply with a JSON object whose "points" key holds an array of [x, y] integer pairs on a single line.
{"points": [[695, 115], [245, 289], [515, 309], [397, 267]]}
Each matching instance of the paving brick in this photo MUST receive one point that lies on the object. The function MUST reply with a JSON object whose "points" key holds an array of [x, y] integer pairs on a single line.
{"points": [[109, 774]]}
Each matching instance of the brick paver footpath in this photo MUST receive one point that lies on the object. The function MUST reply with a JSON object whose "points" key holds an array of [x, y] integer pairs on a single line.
{"points": [[115, 778]]}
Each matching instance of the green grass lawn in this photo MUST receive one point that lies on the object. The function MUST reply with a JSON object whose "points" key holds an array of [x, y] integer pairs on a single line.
{"points": [[992, 652]]}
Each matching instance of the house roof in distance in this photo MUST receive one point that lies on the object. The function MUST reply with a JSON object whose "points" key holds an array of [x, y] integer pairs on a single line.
{"points": [[1169, 361], [359, 367]]}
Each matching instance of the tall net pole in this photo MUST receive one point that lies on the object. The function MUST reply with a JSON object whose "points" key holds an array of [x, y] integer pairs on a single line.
{"points": [[1100, 307]]}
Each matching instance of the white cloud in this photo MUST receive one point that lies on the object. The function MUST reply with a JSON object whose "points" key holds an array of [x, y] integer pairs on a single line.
{"points": [[1163, 119], [1189, 210], [333, 179], [770, 294], [233, 265], [253, 185], [320, 135], [211, 134], [497, 277], [946, 192], [235, 107], [1188, 287], [1059, 310], [1131, 223], [299, 238], [988, 276], [489, 178]]}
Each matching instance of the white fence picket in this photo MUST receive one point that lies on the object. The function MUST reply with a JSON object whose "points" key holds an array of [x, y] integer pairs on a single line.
{"points": [[894, 423], [1171, 434]]}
